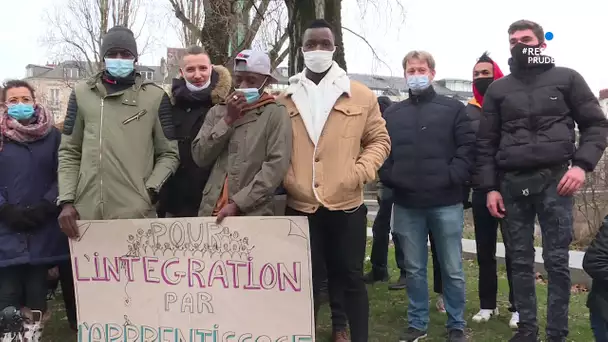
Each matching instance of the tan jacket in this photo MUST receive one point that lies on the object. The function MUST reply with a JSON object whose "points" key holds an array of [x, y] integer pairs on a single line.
{"points": [[254, 153], [352, 147]]}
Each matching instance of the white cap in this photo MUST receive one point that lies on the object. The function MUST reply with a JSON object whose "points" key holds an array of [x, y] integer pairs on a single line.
{"points": [[254, 61]]}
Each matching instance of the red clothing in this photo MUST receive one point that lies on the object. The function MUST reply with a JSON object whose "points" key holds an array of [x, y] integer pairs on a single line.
{"points": [[497, 74]]}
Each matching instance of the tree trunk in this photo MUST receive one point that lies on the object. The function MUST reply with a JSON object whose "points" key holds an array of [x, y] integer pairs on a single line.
{"points": [[333, 15], [217, 24]]}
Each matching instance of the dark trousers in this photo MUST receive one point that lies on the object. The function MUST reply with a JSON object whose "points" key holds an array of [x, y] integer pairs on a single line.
{"points": [[437, 284], [339, 321], [337, 242], [67, 289], [24, 285], [599, 326], [381, 230], [486, 228], [556, 223]]}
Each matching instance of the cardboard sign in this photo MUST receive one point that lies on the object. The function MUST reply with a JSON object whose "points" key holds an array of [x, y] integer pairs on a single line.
{"points": [[191, 280]]}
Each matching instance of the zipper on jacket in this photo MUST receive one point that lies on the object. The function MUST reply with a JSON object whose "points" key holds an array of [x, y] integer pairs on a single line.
{"points": [[137, 116], [162, 182], [100, 158], [533, 136]]}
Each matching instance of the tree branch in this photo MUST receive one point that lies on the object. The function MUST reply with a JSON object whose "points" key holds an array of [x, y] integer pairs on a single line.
{"points": [[179, 14], [277, 61], [373, 50], [255, 24], [278, 46]]}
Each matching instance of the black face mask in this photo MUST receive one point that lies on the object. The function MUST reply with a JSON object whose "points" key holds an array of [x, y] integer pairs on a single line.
{"points": [[518, 54], [482, 84]]}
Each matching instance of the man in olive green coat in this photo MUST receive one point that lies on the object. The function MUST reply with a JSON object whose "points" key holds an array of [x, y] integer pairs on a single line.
{"points": [[247, 141], [115, 152]]}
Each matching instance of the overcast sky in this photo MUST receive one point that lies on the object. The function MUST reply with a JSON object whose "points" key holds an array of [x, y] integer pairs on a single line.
{"points": [[455, 32]]}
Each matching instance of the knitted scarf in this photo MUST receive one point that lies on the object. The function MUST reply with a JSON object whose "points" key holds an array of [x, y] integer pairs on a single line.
{"points": [[15, 131]]}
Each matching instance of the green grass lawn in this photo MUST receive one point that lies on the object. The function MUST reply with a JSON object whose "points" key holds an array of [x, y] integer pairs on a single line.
{"points": [[388, 314]]}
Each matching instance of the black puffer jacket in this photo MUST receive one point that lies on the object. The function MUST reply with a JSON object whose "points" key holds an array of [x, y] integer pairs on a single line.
{"points": [[432, 144], [528, 123], [595, 264], [474, 113]]}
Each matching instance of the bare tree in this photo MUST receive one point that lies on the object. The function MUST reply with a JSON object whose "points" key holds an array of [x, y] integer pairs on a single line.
{"points": [[77, 27], [229, 26], [225, 27], [194, 11], [592, 204]]}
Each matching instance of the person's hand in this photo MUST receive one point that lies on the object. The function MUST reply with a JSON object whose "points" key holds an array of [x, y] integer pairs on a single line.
{"points": [[235, 105], [153, 196], [571, 182], [230, 209], [16, 218], [41, 212], [67, 220], [495, 204]]}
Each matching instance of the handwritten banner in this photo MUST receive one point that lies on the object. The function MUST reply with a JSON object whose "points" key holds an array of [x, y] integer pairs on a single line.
{"points": [[191, 280]]}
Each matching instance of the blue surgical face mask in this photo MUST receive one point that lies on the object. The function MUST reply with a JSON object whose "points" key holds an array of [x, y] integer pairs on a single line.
{"points": [[21, 111], [118, 67], [418, 82], [251, 94]]}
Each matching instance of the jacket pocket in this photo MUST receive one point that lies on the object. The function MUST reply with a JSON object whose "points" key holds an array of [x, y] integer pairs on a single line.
{"points": [[351, 120], [350, 182], [135, 117]]}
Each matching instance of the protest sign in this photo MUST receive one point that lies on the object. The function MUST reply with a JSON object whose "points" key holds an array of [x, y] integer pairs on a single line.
{"points": [[192, 280]]}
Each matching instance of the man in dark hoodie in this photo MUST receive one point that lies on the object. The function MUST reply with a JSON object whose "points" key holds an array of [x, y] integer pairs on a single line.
{"points": [[486, 225], [200, 87], [529, 163], [595, 264]]}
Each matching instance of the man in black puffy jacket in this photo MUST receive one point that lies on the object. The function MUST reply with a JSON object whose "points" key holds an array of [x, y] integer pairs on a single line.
{"points": [[432, 144], [529, 163], [595, 264]]}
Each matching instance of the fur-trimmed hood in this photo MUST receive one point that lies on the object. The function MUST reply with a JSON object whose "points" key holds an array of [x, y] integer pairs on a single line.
{"points": [[223, 86]]}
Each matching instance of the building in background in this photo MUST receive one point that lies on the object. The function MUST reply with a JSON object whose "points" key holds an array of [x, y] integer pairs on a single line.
{"points": [[54, 82], [394, 87]]}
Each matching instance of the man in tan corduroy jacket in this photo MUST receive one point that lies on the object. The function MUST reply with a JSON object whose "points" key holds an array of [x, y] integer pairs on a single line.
{"points": [[339, 143]]}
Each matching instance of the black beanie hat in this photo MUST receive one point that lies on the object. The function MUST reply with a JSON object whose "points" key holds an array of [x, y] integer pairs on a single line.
{"points": [[119, 37]]}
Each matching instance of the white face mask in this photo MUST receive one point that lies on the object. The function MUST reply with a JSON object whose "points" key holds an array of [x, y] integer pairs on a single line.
{"points": [[192, 87], [318, 61]]}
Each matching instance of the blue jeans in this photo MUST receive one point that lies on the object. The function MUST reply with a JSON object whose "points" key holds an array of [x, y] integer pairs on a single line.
{"points": [[599, 327], [413, 227]]}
